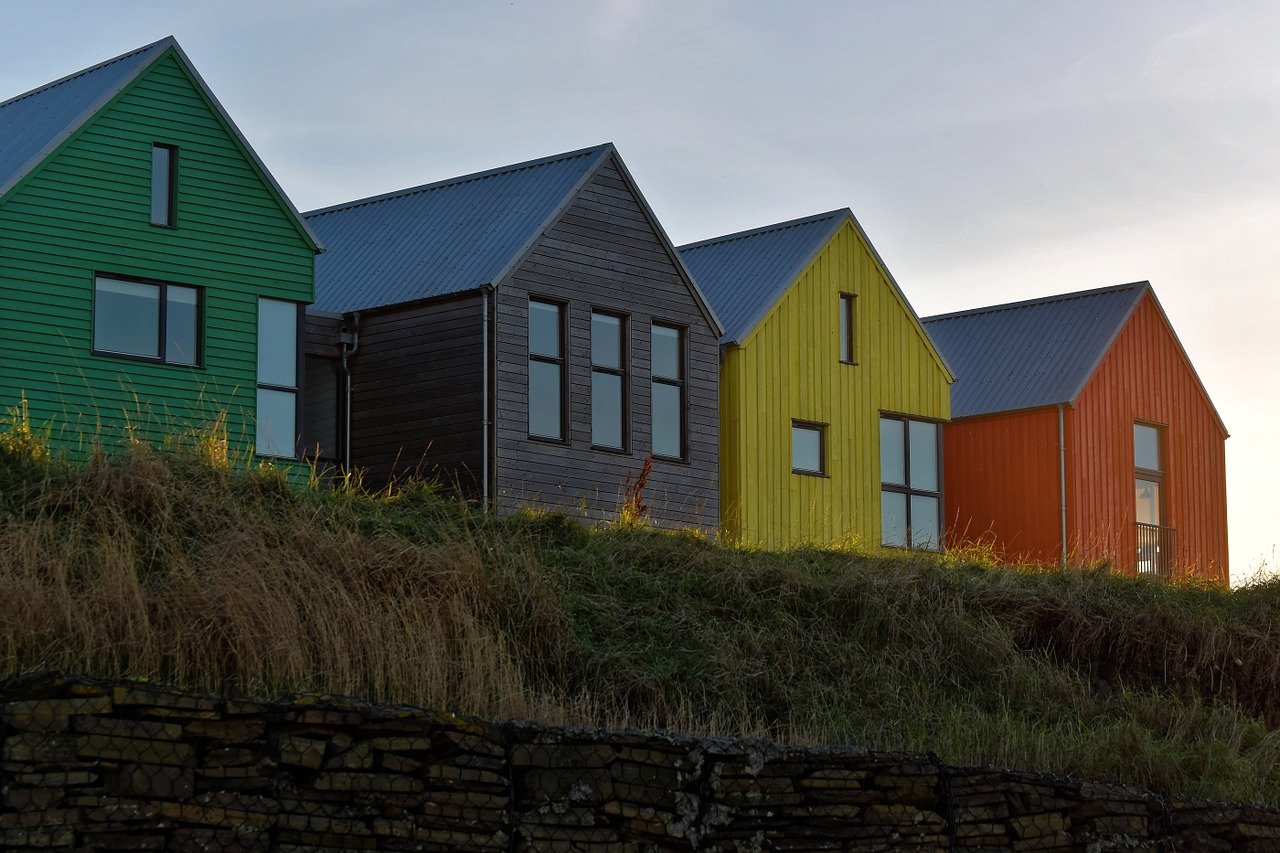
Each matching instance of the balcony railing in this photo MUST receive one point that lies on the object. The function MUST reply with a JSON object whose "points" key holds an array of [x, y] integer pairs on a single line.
{"points": [[1156, 550]]}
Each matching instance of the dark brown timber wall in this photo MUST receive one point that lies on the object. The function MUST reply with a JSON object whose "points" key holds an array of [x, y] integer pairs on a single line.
{"points": [[92, 765], [604, 253], [417, 392]]}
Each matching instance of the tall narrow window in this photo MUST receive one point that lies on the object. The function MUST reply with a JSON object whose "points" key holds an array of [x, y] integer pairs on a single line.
{"points": [[808, 448], [608, 381], [277, 420], [164, 173], [848, 339], [546, 370], [1155, 540], [910, 494], [148, 320], [667, 370]]}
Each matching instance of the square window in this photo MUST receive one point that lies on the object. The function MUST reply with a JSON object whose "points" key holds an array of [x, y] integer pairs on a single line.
{"points": [[807, 448], [154, 321]]}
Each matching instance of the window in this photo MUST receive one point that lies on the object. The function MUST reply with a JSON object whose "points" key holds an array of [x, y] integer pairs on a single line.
{"points": [[910, 494], [148, 320], [808, 448], [848, 352], [667, 370], [546, 370], [277, 431], [608, 381], [1148, 473], [164, 173]]}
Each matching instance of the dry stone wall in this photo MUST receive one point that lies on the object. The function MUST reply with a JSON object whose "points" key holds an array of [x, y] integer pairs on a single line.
{"points": [[95, 765]]}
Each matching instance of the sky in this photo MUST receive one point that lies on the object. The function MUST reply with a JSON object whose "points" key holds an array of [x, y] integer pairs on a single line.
{"points": [[993, 151]]}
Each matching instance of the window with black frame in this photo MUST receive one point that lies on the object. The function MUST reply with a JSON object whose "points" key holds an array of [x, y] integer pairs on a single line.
{"points": [[164, 184], [546, 370], [608, 381], [149, 320], [910, 484], [668, 398]]}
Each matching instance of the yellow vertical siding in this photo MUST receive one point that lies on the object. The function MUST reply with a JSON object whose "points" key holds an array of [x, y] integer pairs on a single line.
{"points": [[789, 368]]}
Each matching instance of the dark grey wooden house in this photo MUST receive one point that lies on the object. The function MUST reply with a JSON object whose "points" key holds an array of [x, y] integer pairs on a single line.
{"points": [[527, 334]]}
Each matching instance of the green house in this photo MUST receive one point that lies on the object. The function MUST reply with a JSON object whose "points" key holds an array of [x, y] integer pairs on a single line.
{"points": [[152, 272]]}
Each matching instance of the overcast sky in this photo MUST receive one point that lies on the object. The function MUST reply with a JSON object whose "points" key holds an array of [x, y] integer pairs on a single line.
{"points": [[994, 151]]}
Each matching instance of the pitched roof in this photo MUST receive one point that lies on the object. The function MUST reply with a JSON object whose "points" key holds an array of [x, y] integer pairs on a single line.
{"points": [[446, 237], [745, 273], [34, 124], [1029, 354], [456, 235]]}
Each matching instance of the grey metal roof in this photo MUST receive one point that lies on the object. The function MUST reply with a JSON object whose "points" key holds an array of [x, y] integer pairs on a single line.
{"points": [[744, 274], [441, 238], [1029, 354], [34, 124]]}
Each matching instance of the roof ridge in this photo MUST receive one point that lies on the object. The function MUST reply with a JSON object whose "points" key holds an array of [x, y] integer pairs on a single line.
{"points": [[764, 229], [1040, 300], [167, 40], [460, 179]]}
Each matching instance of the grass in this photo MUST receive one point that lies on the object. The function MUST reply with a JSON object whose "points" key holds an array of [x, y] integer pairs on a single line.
{"points": [[176, 565]]}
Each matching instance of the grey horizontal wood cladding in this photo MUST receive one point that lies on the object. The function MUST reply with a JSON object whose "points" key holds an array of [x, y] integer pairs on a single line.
{"points": [[605, 254]]}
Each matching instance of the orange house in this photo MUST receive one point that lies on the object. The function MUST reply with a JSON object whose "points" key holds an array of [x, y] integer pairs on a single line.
{"points": [[1081, 432]]}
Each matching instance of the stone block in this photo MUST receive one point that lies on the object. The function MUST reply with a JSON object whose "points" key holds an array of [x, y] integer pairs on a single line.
{"points": [[135, 750], [159, 697], [388, 782], [301, 751], [230, 731], [39, 748], [51, 715], [145, 729], [154, 781]]}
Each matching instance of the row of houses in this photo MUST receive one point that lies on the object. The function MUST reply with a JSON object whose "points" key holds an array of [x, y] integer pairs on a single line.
{"points": [[530, 335]]}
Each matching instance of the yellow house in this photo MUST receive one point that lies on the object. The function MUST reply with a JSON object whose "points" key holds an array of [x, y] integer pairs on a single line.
{"points": [[831, 392]]}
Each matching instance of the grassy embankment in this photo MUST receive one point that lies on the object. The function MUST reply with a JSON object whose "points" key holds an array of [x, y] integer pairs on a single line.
{"points": [[172, 565]]}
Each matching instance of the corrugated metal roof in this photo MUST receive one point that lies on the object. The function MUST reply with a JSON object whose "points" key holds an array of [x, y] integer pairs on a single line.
{"points": [[441, 238], [1028, 354], [742, 275], [34, 123]]}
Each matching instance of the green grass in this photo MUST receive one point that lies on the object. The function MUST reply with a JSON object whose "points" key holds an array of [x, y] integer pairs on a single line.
{"points": [[178, 566]]}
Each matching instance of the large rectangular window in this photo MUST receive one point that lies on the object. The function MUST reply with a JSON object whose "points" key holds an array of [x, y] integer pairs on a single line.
{"points": [[1148, 468], [808, 448], [608, 381], [848, 338], [668, 399], [910, 492], [164, 174], [546, 370], [155, 321], [277, 418]]}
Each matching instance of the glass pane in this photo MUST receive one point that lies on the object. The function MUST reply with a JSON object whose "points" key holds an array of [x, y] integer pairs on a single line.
{"points": [[846, 351], [544, 400], [277, 343], [180, 325], [544, 329], [924, 455], [666, 353], [1146, 447], [667, 421], [606, 341], [893, 519], [806, 448], [276, 430], [126, 317], [924, 523], [161, 187], [606, 410], [893, 468], [1148, 502]]}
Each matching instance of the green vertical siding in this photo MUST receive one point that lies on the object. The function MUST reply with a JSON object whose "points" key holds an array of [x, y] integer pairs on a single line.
{"points": [[86, 211]]}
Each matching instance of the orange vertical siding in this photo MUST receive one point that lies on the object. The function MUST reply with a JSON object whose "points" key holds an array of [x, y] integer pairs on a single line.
{"points": [[1002, 483], [1145, 376]]}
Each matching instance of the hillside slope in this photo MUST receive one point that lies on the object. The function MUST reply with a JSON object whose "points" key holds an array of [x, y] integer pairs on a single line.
{"points": [[173, 566]]}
